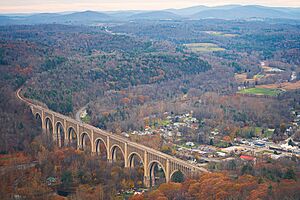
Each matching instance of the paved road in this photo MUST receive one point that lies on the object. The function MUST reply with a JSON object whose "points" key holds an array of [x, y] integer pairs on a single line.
{"points": [[77, 116]]}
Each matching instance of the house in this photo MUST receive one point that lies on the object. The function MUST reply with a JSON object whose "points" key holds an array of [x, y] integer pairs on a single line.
{"points": [[221, 154], [248, 158], [51, 180], [190, 144]]}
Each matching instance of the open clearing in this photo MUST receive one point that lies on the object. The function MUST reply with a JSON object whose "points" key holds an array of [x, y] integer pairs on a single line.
{"points": [[240, 78], [203, 47], [261, 91], [219, 33], [283, 86]]}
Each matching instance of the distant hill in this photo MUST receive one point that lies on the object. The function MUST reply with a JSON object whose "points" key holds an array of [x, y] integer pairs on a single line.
{"points": [[246, 12], [155, 15], [231, 12], [195, 9], [188, 11], [83, 17], [4, 20]]}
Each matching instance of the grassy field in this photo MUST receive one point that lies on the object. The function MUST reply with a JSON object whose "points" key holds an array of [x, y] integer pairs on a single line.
{"points": [[261, 91], [268, 133], [258, 76], [203, 47], [218, 33], [86, 119], [284, 86]]}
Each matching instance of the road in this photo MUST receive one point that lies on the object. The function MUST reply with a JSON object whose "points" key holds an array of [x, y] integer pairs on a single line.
{"points": [[77, 115]]}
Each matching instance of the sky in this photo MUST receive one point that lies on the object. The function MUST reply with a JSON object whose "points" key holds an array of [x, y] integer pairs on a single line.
{"points": [[29, 6]]}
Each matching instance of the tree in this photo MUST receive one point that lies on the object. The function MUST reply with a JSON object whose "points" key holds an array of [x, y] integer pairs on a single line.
{"points": [[66, 179], [178, 177], [290, 174], [166, 149], [291, 143]]}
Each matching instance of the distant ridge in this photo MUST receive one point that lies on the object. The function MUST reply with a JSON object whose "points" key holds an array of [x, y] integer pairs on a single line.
{"points": [[156, 15], [245, 12], [231, 12]]}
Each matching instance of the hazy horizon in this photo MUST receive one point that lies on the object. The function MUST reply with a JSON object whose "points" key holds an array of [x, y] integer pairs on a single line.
{"points": [[49, 6]]}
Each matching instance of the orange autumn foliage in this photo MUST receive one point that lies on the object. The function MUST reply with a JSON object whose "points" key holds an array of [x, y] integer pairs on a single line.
{"points": [[211, 186]]}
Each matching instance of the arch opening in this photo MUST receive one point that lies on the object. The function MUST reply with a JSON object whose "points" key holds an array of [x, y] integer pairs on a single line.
{"points": [[38, 119], [157, 174], [72, 135], [136, 166], [60, 135], [177, 176], [117, 156], [86, 144], [101, 150], [49, 127]]}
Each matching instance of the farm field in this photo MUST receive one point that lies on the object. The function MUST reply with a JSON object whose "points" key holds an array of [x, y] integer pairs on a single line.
{"points": [[268, 69], [284, 86], [261, 91], [203, 47], [240, 78], [218, 33], [258, 76]]}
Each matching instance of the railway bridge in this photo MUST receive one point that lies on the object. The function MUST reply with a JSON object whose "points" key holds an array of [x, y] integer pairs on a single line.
{"points": [[69, 132]]}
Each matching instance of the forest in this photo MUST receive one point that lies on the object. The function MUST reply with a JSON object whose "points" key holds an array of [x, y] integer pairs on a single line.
{"points": [[131, 79]]}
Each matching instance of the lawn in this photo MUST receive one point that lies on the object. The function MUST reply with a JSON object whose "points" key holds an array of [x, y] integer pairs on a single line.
{"points": [[203, 47], [261, 91], [218, 33], [257, 76], [268, 133], [86, 119]]}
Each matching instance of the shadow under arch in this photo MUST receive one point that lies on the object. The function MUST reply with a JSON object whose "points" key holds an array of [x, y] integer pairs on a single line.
{"points": [[72, 136], [101, 149], [86, 144], [60, 134], [134, 160], [157, 173], [49, 126], [117, 155], [177, 176], [38, 118], [136, 169]]}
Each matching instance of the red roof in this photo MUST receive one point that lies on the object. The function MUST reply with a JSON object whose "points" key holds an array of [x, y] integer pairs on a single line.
{"points": [[249, 158]]}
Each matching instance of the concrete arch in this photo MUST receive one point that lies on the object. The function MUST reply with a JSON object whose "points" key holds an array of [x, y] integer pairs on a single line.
{"points": [[99, 138], [151, 171], [49, 126], [83, 141], [99, 152], [131, 157], [60, 133], [38, 118], [113, 153], [177, 170], [37, 115], [157, 162], [72, 137]]}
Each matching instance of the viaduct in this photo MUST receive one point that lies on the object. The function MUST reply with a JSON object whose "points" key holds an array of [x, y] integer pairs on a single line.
{"points": [[69, 132]]}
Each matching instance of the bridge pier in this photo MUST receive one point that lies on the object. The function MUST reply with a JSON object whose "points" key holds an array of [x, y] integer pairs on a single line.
{"points": [[147, 181], [126, 164], [43, 122], [167, 171]]}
